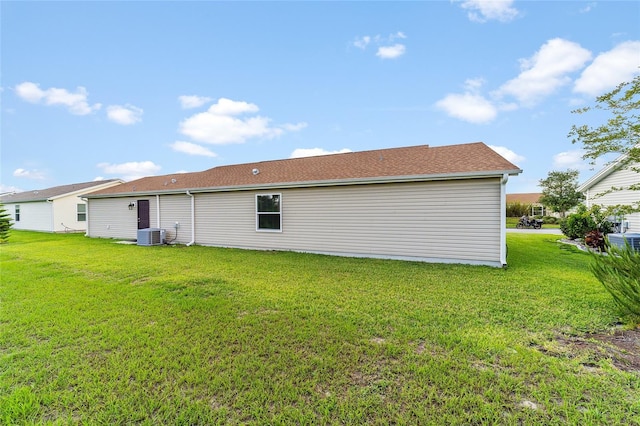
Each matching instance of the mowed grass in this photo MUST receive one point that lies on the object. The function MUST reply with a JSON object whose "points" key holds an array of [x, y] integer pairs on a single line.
{"points": [[94, 332]]}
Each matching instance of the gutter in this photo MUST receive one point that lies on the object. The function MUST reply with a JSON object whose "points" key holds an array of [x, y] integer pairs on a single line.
{"points": [[193, 218]]}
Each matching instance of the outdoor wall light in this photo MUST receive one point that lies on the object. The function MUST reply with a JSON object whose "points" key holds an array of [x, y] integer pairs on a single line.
{"points": [[131, 205]]}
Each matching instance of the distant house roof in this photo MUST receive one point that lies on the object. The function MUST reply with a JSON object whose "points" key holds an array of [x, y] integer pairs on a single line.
{"points": [[52, 193], [384, 165], [524, 198]]}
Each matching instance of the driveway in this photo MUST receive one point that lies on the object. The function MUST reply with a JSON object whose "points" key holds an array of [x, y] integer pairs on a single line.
{"points": [[543, 230]]}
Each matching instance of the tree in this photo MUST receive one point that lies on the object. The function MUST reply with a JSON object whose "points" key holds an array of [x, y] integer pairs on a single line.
{"points": [[620, 134], [560, 191], [5, 224], [619, 272]]}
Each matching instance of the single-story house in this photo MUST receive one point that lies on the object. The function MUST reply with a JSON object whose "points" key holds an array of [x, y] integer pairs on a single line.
{"points": [[438, 204], [597, 191], [57, 209], [530, 199]]}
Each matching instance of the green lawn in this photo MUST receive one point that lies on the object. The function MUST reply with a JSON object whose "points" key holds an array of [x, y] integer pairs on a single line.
{"points": [[94, 332]]}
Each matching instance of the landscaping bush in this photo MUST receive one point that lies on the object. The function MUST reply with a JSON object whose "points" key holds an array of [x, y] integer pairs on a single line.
{"points": [[518, 209], [5, 224], [552, 220], [619, 272], [595, 240], [579, 224]]}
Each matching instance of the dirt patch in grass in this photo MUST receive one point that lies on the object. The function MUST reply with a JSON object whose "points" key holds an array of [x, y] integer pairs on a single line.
{"points": [[622, 348]]}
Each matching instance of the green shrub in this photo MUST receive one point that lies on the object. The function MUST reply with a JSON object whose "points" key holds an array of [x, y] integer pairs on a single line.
{"points": [[518, 209], [619, 272], [552, 220], [579, 224], [5, 225]]}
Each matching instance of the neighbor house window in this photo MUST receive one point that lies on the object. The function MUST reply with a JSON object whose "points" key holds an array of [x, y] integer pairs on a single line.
{"points": [[17, 215], [537, 210], [82, 212], [269, 212]]}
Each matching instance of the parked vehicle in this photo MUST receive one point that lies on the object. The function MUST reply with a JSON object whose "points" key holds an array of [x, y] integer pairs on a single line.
{"points": [[527, 223]]}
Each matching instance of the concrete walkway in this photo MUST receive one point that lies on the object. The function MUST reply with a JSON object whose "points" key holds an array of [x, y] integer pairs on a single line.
{"points": [[543, 230]]}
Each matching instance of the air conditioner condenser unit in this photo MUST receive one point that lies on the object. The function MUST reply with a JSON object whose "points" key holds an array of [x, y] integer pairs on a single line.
{"points": [[151, 236]]}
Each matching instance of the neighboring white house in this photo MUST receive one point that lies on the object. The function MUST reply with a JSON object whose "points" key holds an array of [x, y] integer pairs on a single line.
{"points": [[57, 209], [597, 191], [438, 204]]}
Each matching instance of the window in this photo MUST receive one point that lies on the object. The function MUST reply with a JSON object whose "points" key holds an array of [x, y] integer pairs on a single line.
{"points": [[537, 210], [82, 212], [17, 215], [268, 212]]}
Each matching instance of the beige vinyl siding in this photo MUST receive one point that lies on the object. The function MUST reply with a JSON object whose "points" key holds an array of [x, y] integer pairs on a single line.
{"points": [[111, 217], [441, 220], [65, 212], [34, 216], [619, 178], [175, 208]]}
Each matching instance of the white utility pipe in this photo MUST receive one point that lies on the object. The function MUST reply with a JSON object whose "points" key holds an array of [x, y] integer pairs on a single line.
{"points": [[503, 219], [193, 219]]}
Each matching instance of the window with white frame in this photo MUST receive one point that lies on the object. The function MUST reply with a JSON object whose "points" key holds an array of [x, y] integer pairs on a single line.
{"points": [[269, 212], [17, 213], [82, 212]]}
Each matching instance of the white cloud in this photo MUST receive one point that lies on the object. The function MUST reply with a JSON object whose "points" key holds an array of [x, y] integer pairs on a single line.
{"points": [[131, 170], [192, 149], [125, 115], [546, 71], [391, 52], [192, 101], [386, 46], [312, 152], [469, 106], [76, 102], [570, 160], [508, 154], [609, 69], [228, 107], [219, 126], [588, 8], [490, 10], [293, 127], [362, 42], [5, 189], [29, 174]]}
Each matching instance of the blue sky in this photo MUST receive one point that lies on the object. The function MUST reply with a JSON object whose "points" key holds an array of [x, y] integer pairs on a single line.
{"points": [[99, 90]]}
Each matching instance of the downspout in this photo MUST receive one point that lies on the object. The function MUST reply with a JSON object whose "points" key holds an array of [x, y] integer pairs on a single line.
{"points": [[86, 212], [503, 219], [53, 219], [158, 210], [193, 219]]}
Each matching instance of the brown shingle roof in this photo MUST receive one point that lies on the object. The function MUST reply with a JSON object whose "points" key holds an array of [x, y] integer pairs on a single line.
{"points": [[525, 198], [56, 191], [424, 161]]}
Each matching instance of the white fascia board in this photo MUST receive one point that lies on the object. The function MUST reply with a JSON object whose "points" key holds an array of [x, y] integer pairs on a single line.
{"points": [[606, 171], [81, 192], [603, 173]]}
